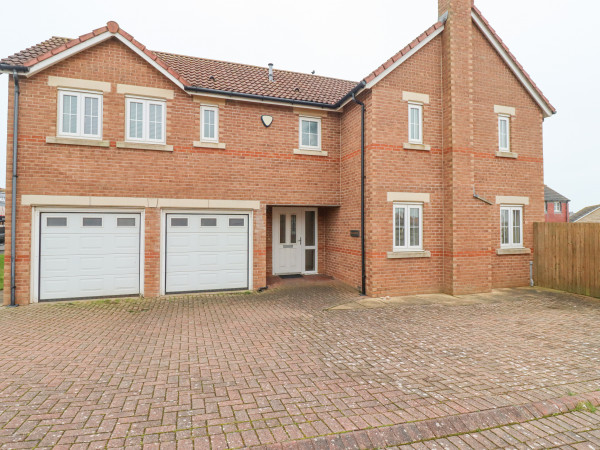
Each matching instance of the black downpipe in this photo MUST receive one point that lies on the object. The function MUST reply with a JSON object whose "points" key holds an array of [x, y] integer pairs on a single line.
{"points": [[13, 215], [363, 287]]}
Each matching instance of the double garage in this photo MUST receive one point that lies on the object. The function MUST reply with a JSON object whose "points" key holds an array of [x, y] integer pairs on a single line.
{"points": [[100, 253]]}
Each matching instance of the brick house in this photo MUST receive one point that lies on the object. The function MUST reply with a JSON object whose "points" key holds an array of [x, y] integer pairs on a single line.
{"points": [[143, 172], [589, 214], [556, 206]]}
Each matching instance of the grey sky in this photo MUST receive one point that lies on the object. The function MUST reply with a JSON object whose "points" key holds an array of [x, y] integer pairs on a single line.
{"points": [[556, 41]]}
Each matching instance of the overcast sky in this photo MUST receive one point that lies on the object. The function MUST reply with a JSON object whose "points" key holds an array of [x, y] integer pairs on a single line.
{"points": [[555, 40]]}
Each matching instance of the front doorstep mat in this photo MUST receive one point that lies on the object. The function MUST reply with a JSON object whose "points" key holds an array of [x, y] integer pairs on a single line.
{"points": [[296, 275]]}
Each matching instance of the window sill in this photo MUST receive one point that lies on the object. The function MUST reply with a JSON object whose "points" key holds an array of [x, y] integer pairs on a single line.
{"points": [[309, 152], [201, 144], [407, 255], [421, 147], [142, 146], [77, 141], [513, 251], [507, 155]]}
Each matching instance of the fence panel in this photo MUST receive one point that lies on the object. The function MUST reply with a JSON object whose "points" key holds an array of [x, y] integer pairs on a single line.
{"points": [[567, 257]]}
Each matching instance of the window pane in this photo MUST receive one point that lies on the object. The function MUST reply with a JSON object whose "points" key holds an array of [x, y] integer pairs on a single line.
{"points": [[56, 221], [309, 264], [305, 133], [209, 124], [399, 240], [313, 127], [156, 122], [282, 229], [309, 228], [293, 229], [179, 222], [236, 222], [504, 215], [136, 116], [208, 222], [516, 226], [69, 114], [414, 227], [90, 119], [126, 221], [92, 221], [313, 141], [503, 127]]}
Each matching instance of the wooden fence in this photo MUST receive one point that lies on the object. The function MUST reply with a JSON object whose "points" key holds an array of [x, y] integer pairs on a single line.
{"points": [[567, 257]]}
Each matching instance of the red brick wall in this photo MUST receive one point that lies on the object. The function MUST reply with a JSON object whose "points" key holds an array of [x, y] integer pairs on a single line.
{"points": [[562, 216], [391, 168], [257, 164], [459, 70], [495, 84]]}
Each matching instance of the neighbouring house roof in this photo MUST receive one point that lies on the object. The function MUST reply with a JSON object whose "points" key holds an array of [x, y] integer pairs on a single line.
{"points": [[214, 76], [583, 212], [550, 195]]}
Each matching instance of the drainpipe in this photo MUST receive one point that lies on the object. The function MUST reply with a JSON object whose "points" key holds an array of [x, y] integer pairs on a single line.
{"points": [[13, 216], [363, 287]]}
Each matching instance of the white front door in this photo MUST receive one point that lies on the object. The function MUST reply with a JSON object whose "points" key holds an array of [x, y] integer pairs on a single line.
{"points": [[294, 241]]}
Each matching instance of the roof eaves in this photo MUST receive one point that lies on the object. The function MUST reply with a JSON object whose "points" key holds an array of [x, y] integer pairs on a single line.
{"points": [[111, 29], [405, 53]]}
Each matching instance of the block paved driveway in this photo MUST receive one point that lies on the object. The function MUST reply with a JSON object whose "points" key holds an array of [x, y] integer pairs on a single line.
{"points": [[512, 368]]}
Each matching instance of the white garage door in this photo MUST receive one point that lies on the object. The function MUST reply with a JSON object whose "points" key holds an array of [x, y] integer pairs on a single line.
{"points": [[89, 255], [206, 252]]}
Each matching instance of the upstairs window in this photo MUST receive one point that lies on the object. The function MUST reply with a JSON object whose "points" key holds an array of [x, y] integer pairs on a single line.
{"points": [[408, 227], [209, 116], [415, 123], [504, 133], [310, 133], [557, 207], [145, 120], [79, 114], [511, 226]]}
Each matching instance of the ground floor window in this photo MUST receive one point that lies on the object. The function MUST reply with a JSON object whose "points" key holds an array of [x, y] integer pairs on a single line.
{"points": [[511, 226], [408, 227]]}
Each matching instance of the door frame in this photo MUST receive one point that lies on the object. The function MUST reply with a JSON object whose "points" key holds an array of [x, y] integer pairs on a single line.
{"points": [[275, 231], [36, 237], [163, 238]]}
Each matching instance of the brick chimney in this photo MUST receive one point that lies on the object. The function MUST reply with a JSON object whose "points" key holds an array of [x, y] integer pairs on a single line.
{"points": [[467, 232]]}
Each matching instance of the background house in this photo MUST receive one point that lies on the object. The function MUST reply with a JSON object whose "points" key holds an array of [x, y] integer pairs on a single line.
{"points": [[589, 214], [556, 206]]}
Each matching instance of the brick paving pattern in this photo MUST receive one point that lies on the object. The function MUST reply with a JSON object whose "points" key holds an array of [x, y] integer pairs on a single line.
{"points": [[231, 371]]}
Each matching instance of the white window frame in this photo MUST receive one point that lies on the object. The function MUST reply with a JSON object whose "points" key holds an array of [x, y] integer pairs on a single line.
{"points": [[504, 118], [203, 138], [81, 95], [309, 119], [146, 102], [407, 247], [511, 243], [559, 210], [418, 107]]}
